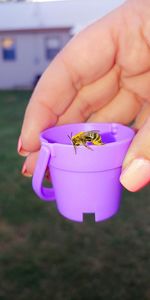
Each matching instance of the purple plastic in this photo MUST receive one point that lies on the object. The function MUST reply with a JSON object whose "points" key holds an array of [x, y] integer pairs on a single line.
{"points": [[88, 181]]}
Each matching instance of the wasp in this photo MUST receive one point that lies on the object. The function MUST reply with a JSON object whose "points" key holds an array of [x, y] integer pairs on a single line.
{"points": [[84, 138]]}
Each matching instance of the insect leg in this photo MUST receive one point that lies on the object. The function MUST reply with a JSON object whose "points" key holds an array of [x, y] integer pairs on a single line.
{"points": [[75, 148], [69, 136], [85, 145]]}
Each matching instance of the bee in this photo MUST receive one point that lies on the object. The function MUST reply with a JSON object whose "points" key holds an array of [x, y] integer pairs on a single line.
{"points": [[84, 138]]}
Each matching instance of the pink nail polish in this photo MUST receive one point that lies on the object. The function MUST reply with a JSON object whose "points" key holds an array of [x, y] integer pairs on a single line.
{"points": [[136, 175], [25, 172], [20, 149]]}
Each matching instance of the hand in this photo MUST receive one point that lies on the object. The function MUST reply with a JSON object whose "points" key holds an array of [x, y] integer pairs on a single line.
{"points": [[102, 75]]}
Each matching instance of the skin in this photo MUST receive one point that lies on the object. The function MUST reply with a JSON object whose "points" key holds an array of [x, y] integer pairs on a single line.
{"points": [[102, 75]]}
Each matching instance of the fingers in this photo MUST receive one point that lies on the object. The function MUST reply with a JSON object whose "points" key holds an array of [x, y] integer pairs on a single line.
{"points": [[84, 60], [136, 167], [122, 109], [138, 84], [29, 164], [142, 116], [92, 98], [45, 104]]}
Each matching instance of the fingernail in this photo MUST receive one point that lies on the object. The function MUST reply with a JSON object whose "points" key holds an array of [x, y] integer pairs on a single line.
{"points": [[20, 149], [25, 172], [136, 175]]}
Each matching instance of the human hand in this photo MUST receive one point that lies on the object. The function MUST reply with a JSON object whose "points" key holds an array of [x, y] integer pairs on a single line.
{"points": [[102, 75]]}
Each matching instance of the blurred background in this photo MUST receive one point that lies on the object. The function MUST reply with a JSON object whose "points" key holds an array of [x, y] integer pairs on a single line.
{"points": [[42, 255]]}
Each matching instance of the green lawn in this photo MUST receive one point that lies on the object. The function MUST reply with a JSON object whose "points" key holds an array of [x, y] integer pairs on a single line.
{"points": [[45, 257]]}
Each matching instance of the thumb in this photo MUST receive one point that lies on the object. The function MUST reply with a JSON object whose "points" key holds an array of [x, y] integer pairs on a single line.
{"points": [[136, 166]]}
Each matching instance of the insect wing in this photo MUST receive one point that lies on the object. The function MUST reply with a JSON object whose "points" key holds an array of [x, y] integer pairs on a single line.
{"points": [[89, 133]]}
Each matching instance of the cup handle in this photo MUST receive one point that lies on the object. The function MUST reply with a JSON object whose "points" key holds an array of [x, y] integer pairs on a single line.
{"points": [[44, 193]]}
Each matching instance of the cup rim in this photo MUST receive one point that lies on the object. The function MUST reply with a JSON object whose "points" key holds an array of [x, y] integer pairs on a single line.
{"points": [[111, 144]]}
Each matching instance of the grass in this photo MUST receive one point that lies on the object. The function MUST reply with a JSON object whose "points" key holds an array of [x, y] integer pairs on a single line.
{"points": [[43, 256]]}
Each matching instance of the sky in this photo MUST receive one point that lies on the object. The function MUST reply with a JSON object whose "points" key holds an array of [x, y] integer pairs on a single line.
{"points": [[1, 1], [54, 14]]}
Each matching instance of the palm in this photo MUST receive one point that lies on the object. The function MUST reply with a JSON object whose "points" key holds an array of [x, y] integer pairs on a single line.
{"points": [[114, 78], [101, 75]]}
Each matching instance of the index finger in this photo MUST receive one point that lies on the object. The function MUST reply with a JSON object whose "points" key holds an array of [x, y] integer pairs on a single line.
{"points": [[86, 58]]}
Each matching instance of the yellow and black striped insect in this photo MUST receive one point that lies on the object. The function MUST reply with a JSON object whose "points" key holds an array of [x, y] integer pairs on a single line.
{"points": [[85, 138]]}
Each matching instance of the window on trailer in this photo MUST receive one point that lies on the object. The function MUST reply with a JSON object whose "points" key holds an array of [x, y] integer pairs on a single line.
{"points": [[8, 49], [53, 46]]}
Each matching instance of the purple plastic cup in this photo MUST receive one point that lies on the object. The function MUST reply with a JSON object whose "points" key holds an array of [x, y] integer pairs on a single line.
{"points": [[86, 181]]}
